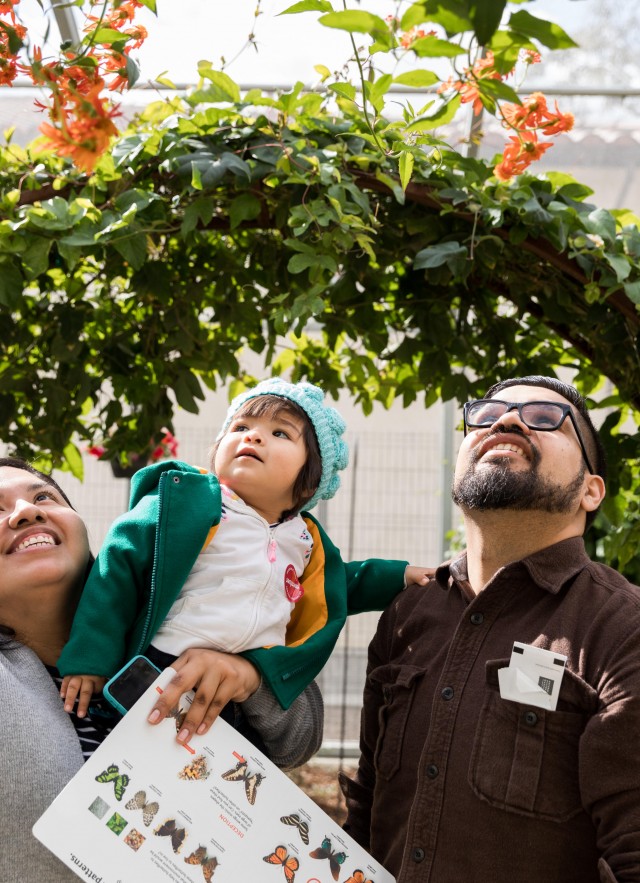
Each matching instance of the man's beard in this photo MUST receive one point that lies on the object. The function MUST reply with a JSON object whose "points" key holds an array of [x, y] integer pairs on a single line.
{"points": [[497, 486]]}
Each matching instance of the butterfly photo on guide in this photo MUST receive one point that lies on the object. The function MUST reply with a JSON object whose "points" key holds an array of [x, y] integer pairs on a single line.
{"points": [[207, 863], [252, 781], [139, 801], [169, 829], [195, 770], [303, 828], [358, 877], [178, 715], [289, 863], [120, 780], [335, 858]]}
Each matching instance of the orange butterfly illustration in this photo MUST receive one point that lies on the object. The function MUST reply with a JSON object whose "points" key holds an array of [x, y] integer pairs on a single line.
{"points": [[208, 862], [358, 877], [290, 863]]}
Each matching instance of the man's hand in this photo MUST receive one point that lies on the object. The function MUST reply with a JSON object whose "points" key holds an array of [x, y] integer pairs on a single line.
{"points": [[83, 687], [216, 677]]}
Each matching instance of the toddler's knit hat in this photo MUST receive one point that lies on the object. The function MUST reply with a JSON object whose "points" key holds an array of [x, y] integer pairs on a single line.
{"points": [[327, 424]]}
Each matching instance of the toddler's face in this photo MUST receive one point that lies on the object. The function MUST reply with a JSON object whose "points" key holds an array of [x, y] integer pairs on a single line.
{"points": [[260, 458]]}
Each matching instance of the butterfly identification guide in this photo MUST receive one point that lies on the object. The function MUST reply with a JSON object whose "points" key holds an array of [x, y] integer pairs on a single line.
{"points": [[146, 808]]}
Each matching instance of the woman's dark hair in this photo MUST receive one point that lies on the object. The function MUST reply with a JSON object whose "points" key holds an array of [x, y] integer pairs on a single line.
{"points": [[18, 463], [590, 435], [308, 479]]}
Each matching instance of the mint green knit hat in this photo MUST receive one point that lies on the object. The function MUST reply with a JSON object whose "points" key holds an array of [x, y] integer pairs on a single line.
{"points": [[328, 426]]}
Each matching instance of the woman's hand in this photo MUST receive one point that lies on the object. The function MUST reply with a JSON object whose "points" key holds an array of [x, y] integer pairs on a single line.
{"points": [[216, 677]]}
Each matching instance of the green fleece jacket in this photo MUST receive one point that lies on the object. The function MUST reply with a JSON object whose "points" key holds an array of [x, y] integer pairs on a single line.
{"points": [[148, 554]]}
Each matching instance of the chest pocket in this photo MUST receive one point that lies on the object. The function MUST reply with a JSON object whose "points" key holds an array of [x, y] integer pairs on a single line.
{"points": [[525, 759], [398, 684]]}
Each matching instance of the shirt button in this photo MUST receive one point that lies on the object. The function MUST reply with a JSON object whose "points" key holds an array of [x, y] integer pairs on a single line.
{"points": [[531, 718], [432, 771], [447, 693], [418, 854], [477, 618]]}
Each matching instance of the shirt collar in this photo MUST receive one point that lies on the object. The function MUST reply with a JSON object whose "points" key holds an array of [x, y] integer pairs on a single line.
{"points": [[550, 568]]}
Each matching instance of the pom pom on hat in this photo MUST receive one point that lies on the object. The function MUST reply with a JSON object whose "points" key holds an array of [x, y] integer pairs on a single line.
{"points": [[327, 423]]}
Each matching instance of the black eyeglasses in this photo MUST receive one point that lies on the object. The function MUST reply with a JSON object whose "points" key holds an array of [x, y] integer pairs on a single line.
{"points": [[541, 416]]}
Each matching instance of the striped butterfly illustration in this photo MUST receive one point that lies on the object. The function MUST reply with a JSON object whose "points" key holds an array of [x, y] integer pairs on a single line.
{"points": [[170, 829], [149, 809], [289, 863], [207, 863], [336, 859], [120, 780], [302, 826], [252, 781]]}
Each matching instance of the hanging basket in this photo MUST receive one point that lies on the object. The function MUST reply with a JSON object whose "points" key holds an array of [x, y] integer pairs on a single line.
{"points": [[136, 462]]}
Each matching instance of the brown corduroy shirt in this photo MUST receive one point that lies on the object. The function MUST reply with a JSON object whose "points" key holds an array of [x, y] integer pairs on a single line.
{"points": [[456, 784]]}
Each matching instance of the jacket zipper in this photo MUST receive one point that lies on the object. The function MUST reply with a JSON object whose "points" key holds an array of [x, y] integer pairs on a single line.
{"points": [[154, 574]]}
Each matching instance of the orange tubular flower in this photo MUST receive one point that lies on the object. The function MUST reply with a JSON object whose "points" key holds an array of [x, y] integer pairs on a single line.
{"points": [[519, 154]]}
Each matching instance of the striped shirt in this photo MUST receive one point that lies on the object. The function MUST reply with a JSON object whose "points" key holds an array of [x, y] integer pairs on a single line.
{"points": [[98, 723]]}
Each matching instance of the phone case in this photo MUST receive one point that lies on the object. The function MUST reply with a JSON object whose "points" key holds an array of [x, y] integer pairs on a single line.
{"points": [[113, 683]]}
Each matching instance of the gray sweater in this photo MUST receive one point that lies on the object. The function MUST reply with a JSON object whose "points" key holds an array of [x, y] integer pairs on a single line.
{"points": [[39, 753]]}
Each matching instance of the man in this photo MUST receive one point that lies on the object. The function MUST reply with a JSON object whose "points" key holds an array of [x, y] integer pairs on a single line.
{"points": [[475, 767]]}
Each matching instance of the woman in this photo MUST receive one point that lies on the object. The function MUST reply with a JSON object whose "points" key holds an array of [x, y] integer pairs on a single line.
{"points": [[44, 558]]}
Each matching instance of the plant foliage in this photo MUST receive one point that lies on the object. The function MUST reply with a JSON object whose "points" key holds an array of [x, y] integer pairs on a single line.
{"points": [[346, 246]]}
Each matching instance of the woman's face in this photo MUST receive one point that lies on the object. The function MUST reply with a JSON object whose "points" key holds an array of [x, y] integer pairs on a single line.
{"points": [[43, 541]]}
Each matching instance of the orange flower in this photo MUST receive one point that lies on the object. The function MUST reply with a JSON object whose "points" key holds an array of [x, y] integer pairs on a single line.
{"points": [[8, 71], [138, 34], [518, 155], [561, 122], [468, 88], [528, 115], [83, 134], [7, 8], [414, 34]]}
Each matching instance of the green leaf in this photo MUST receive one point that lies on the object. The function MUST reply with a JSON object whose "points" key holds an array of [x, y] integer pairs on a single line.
{"points": [[108, 36], [444, 114], [432, 47], [354, 22], [11, 284], [244, 207], [437, 255], [602, 224], [150, 4], [35, 259], [549, 34], [632, 290], [405, 165], [308, 6], [486, 16], [620, 265], [73, 459], [134, 249], [417, 79], [346, 90], [222, 87], [298, 263]]}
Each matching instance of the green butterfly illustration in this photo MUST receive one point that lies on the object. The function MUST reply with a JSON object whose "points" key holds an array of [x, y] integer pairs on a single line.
{"points": [[120, 780]]}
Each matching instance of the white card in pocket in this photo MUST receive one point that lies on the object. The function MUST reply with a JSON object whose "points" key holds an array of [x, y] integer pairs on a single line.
{"points": [[533, 676]]}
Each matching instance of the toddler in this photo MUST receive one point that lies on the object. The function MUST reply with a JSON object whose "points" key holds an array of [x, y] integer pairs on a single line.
{"points": [[224, 559]]}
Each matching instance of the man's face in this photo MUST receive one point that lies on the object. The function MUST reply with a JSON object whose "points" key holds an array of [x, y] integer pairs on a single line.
{"points": [[509, 466]]}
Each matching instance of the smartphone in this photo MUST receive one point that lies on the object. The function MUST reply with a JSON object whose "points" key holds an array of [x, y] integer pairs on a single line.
{"points": [[125, 688]]}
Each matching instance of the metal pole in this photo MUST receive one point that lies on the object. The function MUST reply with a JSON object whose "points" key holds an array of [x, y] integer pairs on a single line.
{"points": [[66, 22]]}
